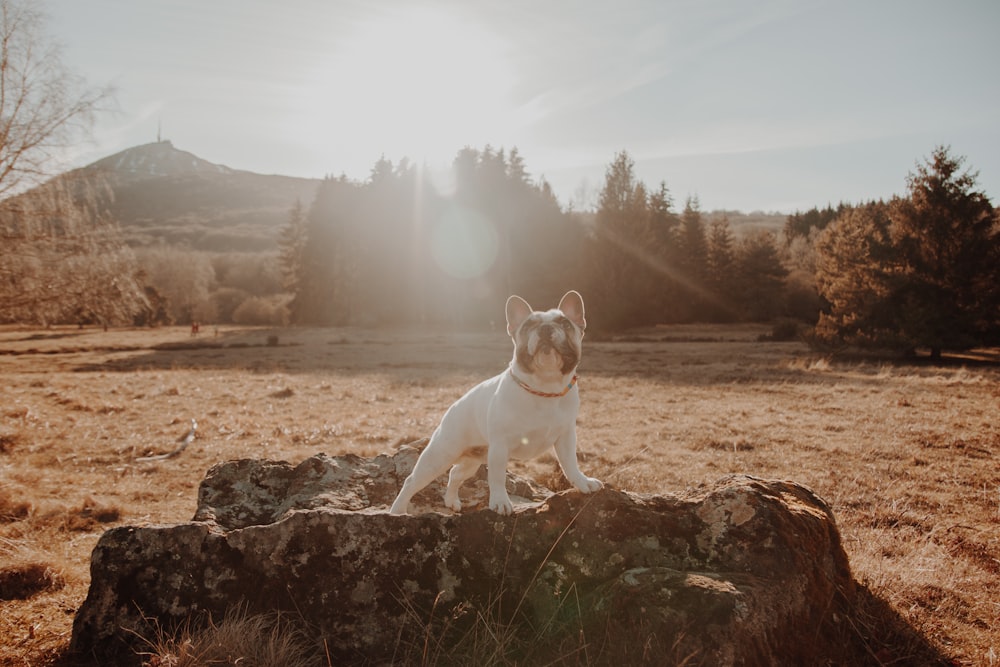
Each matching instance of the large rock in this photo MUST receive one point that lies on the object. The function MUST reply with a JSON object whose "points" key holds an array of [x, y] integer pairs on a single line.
{"points": [[745, 571]]}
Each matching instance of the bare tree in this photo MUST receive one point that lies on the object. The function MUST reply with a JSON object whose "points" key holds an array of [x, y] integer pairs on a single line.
{"points": [[185, 279], [43, 105], [62, 258]]}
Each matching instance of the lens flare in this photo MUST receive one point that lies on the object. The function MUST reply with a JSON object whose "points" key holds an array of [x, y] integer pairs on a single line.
{"points": [[464, 243]]}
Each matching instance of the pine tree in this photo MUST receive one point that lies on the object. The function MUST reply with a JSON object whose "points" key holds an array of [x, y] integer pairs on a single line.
{"points": [[801, 225], [662, 219], [692, 249], [761, 276], [327, 292], [693, 241], [720, 261], [947, 242], [622, 278], [663, 231]]}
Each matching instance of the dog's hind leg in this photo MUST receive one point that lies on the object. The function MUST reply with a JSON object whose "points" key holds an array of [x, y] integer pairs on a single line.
{"points": [[461, 471]]}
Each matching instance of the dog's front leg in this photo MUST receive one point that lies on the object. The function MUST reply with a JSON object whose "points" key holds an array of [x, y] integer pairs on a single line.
{"points": [[496, 474], [565, 447]]}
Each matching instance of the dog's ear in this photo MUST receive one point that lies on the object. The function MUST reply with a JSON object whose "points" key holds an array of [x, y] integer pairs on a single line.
{"points": [[571, 306], [518, 311]]}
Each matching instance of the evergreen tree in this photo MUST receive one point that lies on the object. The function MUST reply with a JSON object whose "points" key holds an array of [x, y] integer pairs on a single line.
{"points": [[663, 226], [720, 261], [536, 245], [761, 277], [948, 253], [330, 263], [516, 170], [387, 236], [802, 225], [382, 171], [692, 258], [543, 242], [662, 219], [622, 278]]}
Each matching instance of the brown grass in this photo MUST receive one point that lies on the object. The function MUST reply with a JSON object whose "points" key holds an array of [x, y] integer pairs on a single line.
{"points": [[239, 638], [908, 455]]}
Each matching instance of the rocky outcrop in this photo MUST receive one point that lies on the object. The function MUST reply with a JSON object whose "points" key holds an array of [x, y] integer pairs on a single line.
{"points": [[745, 571]]}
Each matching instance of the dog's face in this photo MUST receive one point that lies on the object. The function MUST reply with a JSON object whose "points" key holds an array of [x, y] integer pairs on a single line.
{"points": [[546, 341]]}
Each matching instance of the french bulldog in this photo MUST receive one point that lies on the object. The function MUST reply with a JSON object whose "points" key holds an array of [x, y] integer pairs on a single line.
{"points": [[519, 413]]}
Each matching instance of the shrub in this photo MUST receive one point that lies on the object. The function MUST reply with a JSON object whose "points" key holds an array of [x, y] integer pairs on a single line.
{"points": [[264, 640], [783, 330], [25, 580]]}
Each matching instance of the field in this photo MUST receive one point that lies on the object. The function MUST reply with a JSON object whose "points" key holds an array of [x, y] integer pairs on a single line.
{"points": [[908, 455]]}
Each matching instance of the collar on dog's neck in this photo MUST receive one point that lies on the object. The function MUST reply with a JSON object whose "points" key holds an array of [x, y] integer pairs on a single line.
{"points": [[544, 394]]}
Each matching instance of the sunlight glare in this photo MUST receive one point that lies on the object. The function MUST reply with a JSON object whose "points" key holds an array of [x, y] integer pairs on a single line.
{"points": [[416, 83], [464, 243]]}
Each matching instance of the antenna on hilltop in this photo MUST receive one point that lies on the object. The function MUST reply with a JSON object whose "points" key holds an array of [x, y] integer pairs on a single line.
{"points": [[159, 126]]}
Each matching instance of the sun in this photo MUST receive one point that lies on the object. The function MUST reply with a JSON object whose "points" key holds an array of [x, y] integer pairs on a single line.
{"points": [[416, 83]]}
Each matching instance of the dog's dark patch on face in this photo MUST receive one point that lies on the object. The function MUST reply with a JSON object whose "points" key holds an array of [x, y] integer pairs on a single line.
{"points": [[524, 358], [570, 356]]}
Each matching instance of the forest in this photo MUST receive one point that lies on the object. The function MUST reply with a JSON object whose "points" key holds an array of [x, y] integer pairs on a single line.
{"points": [[394, 250], [919, 271]]}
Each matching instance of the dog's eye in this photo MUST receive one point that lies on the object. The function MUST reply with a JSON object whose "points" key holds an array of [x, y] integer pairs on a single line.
{"points": [[564, 322]]}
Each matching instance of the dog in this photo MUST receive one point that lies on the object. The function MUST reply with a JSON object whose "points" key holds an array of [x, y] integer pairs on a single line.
{"points": [[519, 413]]}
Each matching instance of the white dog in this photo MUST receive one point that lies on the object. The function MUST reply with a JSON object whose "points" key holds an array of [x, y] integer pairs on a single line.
{"points": [[520, 413]]}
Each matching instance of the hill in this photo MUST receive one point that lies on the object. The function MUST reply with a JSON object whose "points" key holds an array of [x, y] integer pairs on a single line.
{"points": [[170, 196], [162, 194]]}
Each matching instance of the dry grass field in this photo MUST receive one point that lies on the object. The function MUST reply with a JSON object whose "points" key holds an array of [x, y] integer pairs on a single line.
{"points": [[907, 455]]}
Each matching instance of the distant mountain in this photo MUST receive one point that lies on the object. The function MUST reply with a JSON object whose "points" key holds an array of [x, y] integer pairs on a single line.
{"points": [[167, 195], [156, 160]]}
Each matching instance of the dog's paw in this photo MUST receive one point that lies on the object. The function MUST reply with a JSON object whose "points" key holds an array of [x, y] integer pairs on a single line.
{"points": [[590, 485], [502, 505], [454, 504]]}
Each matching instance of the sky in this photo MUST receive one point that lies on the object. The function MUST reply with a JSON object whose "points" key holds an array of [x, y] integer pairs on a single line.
{"points": [[750, 105]]}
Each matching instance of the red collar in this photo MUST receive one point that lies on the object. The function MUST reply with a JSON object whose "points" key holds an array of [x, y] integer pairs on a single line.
{"points": [[544, 394]]}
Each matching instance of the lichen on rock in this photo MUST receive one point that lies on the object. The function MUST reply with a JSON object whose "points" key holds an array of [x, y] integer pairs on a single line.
{"points": [[745, 571]]}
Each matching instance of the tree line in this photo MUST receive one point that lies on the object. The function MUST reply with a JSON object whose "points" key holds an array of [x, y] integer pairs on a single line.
{"points": [[648, 263], [395, 250], [920, 270]]}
